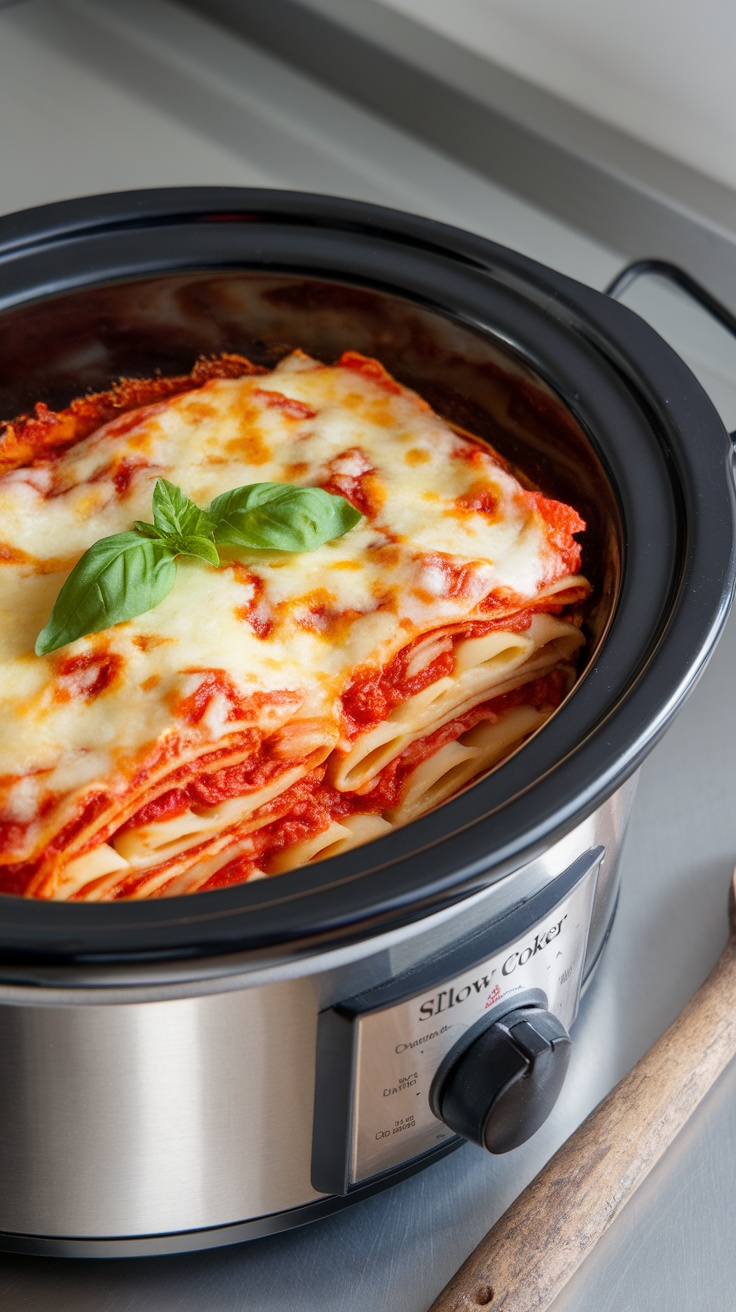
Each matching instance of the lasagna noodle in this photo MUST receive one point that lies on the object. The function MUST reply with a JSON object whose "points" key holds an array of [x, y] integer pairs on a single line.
{"points": [[102, 765], [176, 760], [443, 773], [468, 757], [484, 667], [339, 836], [305, 747], [173, 867], [117, 849], [152, 850]]}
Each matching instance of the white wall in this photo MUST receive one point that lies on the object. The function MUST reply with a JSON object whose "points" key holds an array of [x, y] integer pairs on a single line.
{"points": [[663, 70]]}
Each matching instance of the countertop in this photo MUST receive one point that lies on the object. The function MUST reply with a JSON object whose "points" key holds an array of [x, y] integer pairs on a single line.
{"points": [[103, 96]]}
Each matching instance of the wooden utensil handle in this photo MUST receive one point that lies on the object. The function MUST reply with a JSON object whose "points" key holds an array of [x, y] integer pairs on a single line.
{"points": [[535, 1247]]}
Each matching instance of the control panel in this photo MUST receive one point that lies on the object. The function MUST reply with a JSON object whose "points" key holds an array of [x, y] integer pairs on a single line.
{"points": [[472, 1042]]}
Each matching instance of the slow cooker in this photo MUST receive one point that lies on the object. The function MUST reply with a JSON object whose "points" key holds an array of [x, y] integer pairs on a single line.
{"points": [[188, 1072]]}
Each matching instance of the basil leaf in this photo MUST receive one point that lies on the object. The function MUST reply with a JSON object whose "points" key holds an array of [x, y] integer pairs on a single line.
{"points": [[147, 530], [116, 579], [202, 548], [280, 517], [176, 517]]}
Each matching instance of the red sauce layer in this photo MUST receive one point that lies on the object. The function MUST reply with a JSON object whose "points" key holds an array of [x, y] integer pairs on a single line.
{"points": [[315, 804], [373, 693], [369, 368], [562, 521], [277, 401], [545, 693]]}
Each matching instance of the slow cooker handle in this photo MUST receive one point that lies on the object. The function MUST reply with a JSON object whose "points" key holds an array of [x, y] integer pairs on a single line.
{"points": [[674, 274]]}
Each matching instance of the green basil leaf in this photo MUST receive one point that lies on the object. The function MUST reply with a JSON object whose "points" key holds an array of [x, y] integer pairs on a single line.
{"points": [[116, 579], [176, 517], [147, 530], [280, 517], [202, 548]]}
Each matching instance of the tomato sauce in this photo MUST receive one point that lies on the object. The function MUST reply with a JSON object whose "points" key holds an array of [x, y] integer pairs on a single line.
{"points": [[14, 556], [124, 474], [15, 880], [363, 490], [84, 677], [256, 612], [209, 787], [457, 579], [372, 694], [288, 405], [561, 521], [369, 368], [215, 683]]}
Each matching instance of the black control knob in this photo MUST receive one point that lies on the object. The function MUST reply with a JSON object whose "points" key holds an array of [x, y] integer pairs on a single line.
{"points": [[505, 1083]]}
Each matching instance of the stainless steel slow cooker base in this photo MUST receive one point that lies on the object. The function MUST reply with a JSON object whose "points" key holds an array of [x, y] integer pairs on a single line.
{"points": [[185, 1072], [192, 1241], [214, 1139]]}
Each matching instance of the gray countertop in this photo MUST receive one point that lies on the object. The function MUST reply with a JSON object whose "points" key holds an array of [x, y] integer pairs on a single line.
{"points": [[101, 96]]}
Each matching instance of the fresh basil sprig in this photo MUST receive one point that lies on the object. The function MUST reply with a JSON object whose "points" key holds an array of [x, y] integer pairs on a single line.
{"points": [[180, 524], [280, 517], [129, 573]]}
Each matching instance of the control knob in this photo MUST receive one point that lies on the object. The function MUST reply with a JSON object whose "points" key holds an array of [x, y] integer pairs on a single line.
{"points": [[504, 1084]]}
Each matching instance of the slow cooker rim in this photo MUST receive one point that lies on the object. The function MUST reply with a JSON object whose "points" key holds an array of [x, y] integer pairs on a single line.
{"points": [[76, 931]]}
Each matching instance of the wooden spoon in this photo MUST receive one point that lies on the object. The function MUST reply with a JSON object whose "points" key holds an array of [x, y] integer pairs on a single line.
{"points": [[537, 1245]]}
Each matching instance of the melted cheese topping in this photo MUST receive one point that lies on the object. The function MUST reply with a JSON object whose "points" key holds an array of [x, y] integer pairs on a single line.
{"points": [[447, 534]]}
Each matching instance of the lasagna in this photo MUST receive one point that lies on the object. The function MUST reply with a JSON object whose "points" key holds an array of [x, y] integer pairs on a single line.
{"points": [[283, 706]]}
